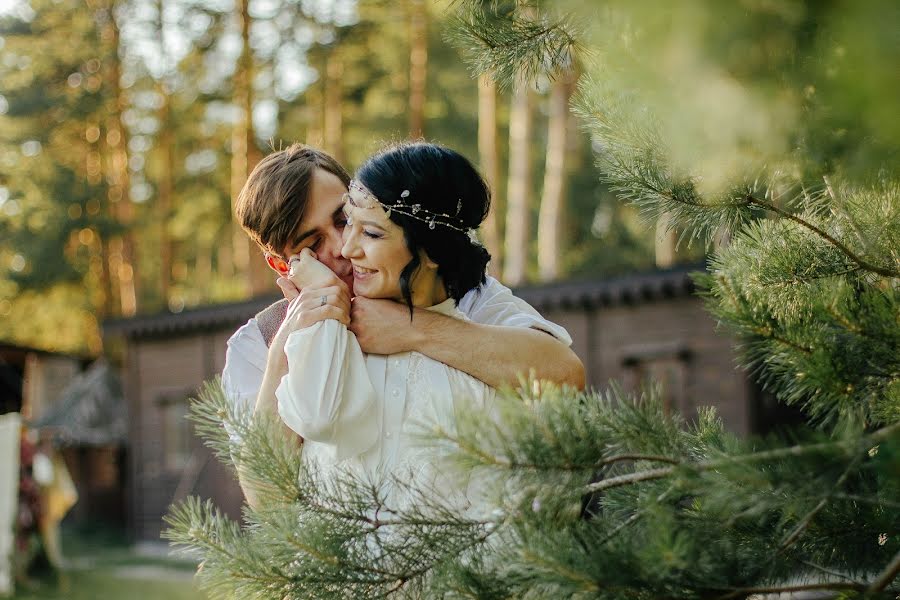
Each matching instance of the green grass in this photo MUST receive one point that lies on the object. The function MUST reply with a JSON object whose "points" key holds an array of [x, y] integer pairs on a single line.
{"points": [[104, 584], [101, 565]]}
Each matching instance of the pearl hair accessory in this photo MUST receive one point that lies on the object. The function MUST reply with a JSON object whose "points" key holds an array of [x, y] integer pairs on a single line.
{"points": [[414, 211]]}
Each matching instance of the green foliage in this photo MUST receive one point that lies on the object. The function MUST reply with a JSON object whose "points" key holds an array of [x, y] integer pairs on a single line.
{"points": [[47, 197], [512, 40], [605, 496], [818, 326], [579, 496], [176, 62]]}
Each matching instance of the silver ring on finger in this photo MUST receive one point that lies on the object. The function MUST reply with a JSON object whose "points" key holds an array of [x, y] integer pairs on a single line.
{"points": [[324, 300]]}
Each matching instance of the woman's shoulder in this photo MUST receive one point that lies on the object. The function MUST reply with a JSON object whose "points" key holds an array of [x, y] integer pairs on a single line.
{"points": [[449, 307]]}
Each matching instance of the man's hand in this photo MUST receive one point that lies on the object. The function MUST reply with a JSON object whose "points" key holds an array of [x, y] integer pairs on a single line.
{"points": [[383, 326]]}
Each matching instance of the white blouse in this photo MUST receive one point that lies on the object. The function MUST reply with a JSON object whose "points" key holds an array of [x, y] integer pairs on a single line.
{"points": [[492, 304], [366, 409]]}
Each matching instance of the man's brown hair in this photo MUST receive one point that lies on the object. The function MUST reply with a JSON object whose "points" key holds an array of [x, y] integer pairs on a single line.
{"points": [[273, 200]]}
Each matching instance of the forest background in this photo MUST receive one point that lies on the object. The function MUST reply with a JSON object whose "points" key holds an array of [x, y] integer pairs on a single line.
{"points": [[127, 127]]}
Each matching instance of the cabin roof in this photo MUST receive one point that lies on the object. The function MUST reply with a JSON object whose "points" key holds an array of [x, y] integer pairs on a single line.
{"points": [[629, 289]]}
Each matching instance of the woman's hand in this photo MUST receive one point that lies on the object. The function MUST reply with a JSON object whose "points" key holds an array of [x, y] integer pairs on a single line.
{"points": [[317, 303], [318, 294], [306, 270]]}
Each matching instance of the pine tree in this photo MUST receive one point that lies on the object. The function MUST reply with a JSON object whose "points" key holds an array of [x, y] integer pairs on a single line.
{"points": [[57, 220], [607, 495]]}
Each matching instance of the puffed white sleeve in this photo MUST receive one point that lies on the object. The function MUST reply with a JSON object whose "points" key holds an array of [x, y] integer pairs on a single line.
{"points": [[495, 304], [245, 365], [327, 395]]}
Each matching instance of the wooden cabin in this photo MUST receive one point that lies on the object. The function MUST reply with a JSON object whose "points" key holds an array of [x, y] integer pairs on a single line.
{"points": [[627, 328]]}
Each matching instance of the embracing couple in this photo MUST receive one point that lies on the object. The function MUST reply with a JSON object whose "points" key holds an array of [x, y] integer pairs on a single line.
{"points": [[388, 315]]}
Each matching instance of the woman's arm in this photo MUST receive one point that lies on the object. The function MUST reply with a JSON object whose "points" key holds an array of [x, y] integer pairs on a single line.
{"points": [[304, 311], [276, 368]]}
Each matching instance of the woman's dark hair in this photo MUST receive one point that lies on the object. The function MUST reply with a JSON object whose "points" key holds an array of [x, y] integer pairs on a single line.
{"points": [[438, 179]]}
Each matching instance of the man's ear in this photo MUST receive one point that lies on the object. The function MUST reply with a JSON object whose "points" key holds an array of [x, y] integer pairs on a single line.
{"points": [[276, 264]]}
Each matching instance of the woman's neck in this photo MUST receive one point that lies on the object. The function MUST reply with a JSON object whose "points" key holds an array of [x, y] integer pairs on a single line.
{"points": [[433, 297], [428, 291]]}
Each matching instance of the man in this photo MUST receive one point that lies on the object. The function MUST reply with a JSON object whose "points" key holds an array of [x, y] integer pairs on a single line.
{"points": [[292, 202]]}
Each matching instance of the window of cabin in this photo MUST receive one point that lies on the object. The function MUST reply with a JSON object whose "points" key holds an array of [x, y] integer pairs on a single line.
{"points": [[665, 365], [177, 433]]}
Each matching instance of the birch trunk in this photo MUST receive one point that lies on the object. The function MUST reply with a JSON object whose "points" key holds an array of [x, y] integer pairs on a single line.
{"points": [[518, 199], [551, 215], [490, 166], [315, 101], [666, 240]]}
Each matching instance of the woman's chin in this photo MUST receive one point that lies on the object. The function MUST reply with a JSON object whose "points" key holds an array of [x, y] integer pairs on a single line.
{"points": [[362, 286]]}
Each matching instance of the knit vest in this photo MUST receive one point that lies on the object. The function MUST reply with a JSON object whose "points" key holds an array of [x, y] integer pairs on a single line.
{"points": [[269, 319]]}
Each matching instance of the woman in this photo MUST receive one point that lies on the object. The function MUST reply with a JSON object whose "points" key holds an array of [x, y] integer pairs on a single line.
{"points": [[411, 213]]}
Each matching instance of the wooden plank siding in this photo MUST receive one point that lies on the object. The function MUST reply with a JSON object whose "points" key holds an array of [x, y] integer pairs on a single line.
{"points": [[162, 371]]}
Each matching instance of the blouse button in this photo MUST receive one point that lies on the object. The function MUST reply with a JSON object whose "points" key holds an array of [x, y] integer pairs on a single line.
{"points": [[388, 434], [396, 362], [395, 393]]}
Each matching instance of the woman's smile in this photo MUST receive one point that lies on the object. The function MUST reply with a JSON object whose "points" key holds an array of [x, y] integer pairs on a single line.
{"points": [[360, 272], [377, 250]]}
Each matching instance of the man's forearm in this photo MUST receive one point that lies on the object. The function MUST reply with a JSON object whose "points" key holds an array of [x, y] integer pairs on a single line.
{"points": [[494, 354]]}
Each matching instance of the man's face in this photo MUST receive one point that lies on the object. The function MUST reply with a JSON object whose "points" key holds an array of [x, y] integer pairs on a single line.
{"points": [[322, 225]]}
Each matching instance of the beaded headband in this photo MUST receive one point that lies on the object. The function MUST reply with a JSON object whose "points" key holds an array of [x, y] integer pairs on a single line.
{"points": [[414, 211]]}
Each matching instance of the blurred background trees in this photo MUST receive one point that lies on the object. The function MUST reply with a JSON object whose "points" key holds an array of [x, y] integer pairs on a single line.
{"points": [[126, 127]]}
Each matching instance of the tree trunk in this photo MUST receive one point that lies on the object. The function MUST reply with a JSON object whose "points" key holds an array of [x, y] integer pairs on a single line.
{"points": [[203, 261], [552, 203], [166, 183], [334, 104], [518, 188], [315, 102], [418, 66], [106, 301], [244, 157], [490, 166], [666, 240], [117, 176]]}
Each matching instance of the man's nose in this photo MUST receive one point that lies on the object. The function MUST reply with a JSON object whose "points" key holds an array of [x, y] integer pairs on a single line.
{"points": [[335, 242]]}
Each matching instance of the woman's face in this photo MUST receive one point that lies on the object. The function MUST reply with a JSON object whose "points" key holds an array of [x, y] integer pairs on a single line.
{"points": [[377, 250]]}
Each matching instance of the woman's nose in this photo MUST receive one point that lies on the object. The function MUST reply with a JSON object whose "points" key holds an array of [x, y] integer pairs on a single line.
{"points": [[349, 248]]}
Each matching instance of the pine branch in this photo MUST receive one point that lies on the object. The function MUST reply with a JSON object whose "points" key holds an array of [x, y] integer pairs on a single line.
{"points": [[886, 577], [822, 569], [863, 264], [792, 451], [807, 519], [514, 44], [491, 460], [583, 584], [782, 589]]}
